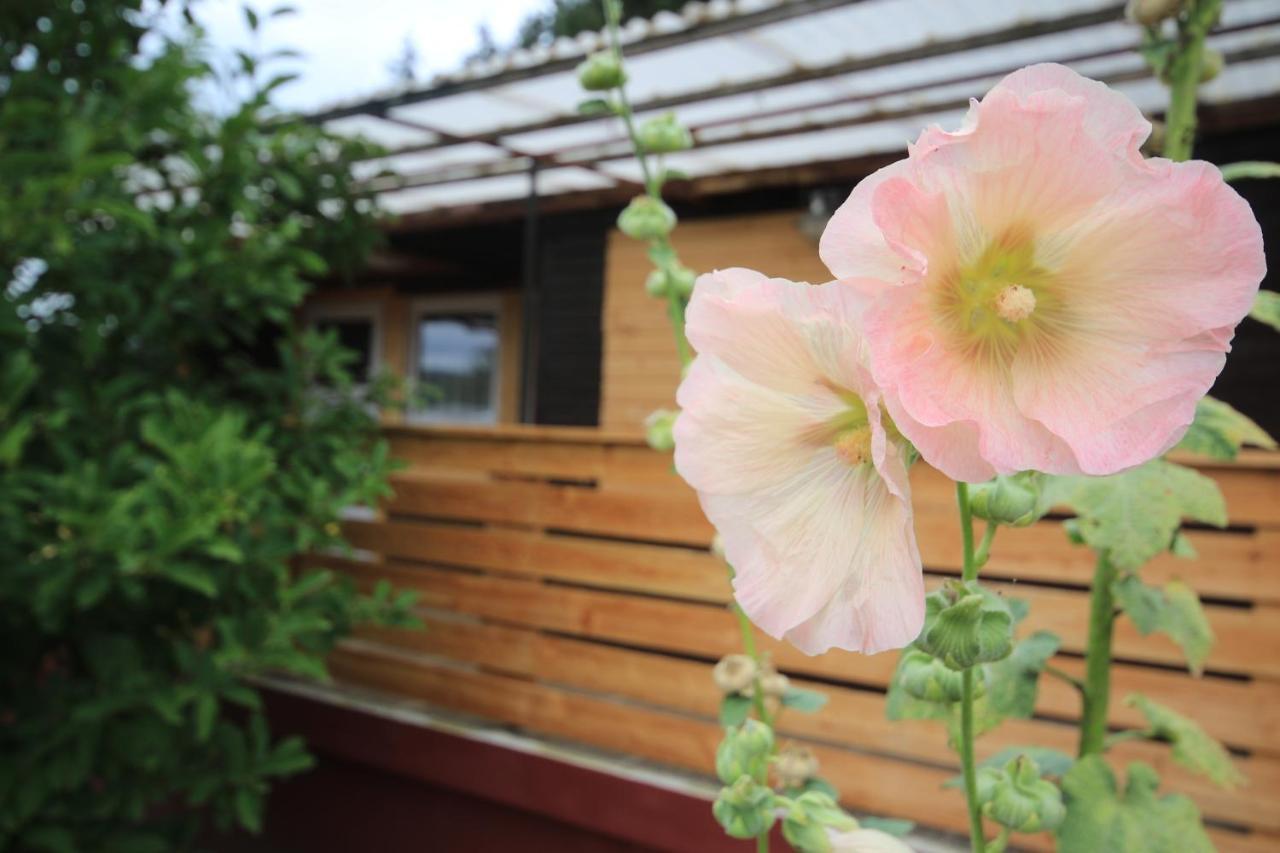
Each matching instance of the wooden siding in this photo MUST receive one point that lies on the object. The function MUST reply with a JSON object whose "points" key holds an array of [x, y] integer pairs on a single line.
{"points": [[641, 369], [570, 593]]}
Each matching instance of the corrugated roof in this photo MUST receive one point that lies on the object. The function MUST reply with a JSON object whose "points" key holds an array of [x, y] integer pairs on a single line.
{"points": [[762, 84]]}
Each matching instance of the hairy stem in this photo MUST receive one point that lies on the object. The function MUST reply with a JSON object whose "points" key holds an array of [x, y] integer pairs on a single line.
{"points": [[1097, 675], [1184, 78], [967, 763]]}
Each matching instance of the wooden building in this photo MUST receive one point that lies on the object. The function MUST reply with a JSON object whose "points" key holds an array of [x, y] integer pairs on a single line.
{"points": [[562, 692]]}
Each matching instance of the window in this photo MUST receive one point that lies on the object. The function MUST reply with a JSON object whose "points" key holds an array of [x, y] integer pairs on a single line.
{"points": [[456, 361], [358, 328]]}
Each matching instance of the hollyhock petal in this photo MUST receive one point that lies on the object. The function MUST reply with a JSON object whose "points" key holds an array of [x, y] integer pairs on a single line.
{"points": [[852, 245], [780, 433], [1068, 302]]}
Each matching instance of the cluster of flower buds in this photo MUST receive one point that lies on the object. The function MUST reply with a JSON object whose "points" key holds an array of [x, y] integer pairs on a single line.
{"points": [[745, 809], [664, 134], [1015, 796], [745, 751], [810, 817], [965, 625], [646, 218], [601, 71], [676, 277], [1017, 500], [794, 766]]}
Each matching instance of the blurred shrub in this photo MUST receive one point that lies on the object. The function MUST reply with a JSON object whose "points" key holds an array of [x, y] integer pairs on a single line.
{"points": [[163, 455]]}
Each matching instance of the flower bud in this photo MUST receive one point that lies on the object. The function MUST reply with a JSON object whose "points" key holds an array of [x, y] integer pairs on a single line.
{"points": [[965, 625], [929, 679], [646, 218], [744, 809], [1211, 64], [805, 825], [659, 429], [601, 71], [1014, 500], [656, 284], [774, 684], [664, 134], [1149, 13], [744, 751], [734, 673], [1022, 801], [795, 765]]}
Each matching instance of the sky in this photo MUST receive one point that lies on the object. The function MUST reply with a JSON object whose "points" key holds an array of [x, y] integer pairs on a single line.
{"points": [[348, 44]]}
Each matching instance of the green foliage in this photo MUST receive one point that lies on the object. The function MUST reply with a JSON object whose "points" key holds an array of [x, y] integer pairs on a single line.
{"points": [[734, 709], [888, 825], [808, 701], [745, 808], [1193, 748], [1219, 431], [1174, 610], [1136, 820], [1266, 308], [807, 819], [570, 17], [164, 453], [744, 751], [1133, 516]]}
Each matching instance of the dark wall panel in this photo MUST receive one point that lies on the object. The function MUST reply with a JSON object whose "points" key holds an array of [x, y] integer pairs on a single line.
{"points": [[568, 301]]}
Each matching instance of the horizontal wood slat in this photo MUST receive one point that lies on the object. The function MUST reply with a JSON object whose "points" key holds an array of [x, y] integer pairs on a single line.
{"points": [[868, 783], [570, 591]]}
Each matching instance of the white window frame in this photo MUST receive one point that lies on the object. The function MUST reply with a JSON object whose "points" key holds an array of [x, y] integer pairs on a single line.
{"points": [[426, 306], [338, 310]]}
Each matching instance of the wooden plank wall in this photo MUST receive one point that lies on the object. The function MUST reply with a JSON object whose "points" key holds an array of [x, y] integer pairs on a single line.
{"points": [[641, 370], [569, 591]]}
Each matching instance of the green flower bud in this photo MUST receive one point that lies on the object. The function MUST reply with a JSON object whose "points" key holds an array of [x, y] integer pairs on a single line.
{"points": [[965, 625], [744, 809], [744, 751], [1015, 501], [682, 279], [656, 284], [1211, 64], [734, 673], [664, 134], [805, 826], [658, 429], [1149, 13], [601, 71], [929, 679], [646, 218], [1022, 801]]}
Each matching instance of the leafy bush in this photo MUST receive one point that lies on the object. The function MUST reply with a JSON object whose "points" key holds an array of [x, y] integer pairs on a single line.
{"points": [[163, 455]]}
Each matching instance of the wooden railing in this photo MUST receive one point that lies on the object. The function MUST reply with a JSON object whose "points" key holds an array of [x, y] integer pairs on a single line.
{"points": [[566, 580]]}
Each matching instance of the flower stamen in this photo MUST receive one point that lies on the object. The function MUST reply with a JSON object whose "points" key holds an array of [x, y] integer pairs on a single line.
{"points": [[854, 445], [1015, 303]]}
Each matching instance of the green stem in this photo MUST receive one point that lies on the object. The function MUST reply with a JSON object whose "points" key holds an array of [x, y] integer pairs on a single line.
{"points": [[611, 11], [1050, 669], [749, 645], [1184, 78], [1127, 734], [1097, 674], [969, 767], [762, 843], [984, 547]]}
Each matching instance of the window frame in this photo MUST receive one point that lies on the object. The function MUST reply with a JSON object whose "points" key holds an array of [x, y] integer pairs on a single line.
{"points": [[352, 309], [444, 305]]}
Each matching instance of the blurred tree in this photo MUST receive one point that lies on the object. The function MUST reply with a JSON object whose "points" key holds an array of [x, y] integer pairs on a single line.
{"points": [[486, 46], [165, 452], [570, 17], [404, 68]]}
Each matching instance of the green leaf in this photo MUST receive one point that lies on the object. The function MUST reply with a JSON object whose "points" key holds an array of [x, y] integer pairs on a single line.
{"points": [[1183, 548], [888, 825], [206, 715], [1193, 748], [808, 701], [1013, 683], [1133, 516], [249, 809], [596, 107], [1249, 169], [1174, 610], [734, 708], [1135, 820], [1266, 308], [1219, 431]]}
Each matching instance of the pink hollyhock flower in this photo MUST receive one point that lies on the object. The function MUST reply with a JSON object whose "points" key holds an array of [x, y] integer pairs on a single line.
{"points": [[1042, 297], [781, 435]]}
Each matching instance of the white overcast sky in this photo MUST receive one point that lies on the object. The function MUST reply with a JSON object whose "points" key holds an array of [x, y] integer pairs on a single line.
{"points": [[348, 44]]}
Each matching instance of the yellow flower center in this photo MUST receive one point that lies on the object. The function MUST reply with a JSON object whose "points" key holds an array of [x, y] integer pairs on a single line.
{"points": [[991, 305], [854, 445]]}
